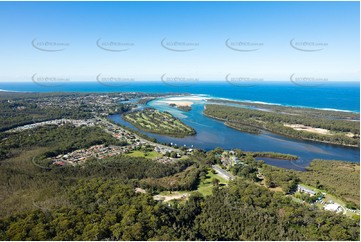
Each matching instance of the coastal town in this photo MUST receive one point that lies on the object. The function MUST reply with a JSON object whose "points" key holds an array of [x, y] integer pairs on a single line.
{"points": [[101, 106], [162, 153], [57, 122], [133, 143]]}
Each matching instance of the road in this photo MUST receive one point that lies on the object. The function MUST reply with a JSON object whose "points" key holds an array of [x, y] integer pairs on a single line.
{"points": [[140, 138], [223, 173]]}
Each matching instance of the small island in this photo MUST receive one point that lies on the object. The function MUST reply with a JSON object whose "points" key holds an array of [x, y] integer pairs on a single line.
{"points": [[185, 108], [157, 122]]}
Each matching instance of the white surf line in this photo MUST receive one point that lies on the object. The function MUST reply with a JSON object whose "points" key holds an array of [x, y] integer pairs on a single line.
{"points": [[282, 105]]}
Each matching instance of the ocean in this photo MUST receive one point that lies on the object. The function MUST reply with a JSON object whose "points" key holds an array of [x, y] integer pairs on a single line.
{"points": [[343, 96]]}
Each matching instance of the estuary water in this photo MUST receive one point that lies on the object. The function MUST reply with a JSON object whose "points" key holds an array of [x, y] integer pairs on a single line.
{"points": [[212, 133]]}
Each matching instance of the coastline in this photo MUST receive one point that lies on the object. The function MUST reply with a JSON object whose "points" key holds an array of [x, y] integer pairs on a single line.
{"points": [[199, 97], [281, 105], [208, 98]]}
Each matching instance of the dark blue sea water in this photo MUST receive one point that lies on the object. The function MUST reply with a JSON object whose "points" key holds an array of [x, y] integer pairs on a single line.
{"points": [[332, 95]]}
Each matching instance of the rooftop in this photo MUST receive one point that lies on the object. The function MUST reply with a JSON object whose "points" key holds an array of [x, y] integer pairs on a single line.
{"points": [[331, 207]]}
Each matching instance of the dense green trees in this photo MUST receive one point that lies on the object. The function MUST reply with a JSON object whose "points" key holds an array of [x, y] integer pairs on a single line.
{"points": [[101, 210], [309, 112], [339, 178], [185, 180], [245, 211], [135, 167], [274, 122], [273, 155], [247, 171], [104, 209], [243, 128], [97, 201], [23, 112], [58, 140], [278, 177]]}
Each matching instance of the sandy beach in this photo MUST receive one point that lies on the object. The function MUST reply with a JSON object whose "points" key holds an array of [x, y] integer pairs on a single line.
{"points": [[187, 98], [180, 103], [183, 101], [308, 129]]}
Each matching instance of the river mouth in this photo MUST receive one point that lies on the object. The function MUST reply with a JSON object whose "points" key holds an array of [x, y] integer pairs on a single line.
{"points": [[213, 133]]}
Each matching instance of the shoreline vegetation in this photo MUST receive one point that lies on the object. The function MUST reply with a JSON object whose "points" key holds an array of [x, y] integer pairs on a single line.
{"points": [[242, 128], [293, 110], [157, 122], [182, 107], [305, 127], [145, 100], [273, 155]]}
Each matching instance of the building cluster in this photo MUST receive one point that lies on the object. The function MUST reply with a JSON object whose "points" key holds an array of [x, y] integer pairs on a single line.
{"points": [[59, 122], [78, 157], [97, 104], [229, 158], [117, 131], [327, 205], [102, 104], [101, 151], [303, 189], [163, 149], [166, 159], [94, 102]]}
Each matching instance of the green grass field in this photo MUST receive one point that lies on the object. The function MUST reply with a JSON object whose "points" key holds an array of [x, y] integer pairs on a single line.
{"points": [[206, 187], [149, 155], [155, 121]]}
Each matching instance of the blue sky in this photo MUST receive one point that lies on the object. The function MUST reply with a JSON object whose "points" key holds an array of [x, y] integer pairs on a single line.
{"points": [[265, 28]]}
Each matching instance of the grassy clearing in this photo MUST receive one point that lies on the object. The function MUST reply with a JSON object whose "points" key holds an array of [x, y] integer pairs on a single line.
{"points": [[180, 196], [206, 186], [275, 189], [176, 193], [149, 155]]}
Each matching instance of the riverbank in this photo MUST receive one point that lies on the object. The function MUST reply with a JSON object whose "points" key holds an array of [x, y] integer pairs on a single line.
{"points": [[213, 133], [277, 123]]}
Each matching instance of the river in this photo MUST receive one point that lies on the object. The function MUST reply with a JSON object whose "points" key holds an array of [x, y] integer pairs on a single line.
{"points": [[212, 133]]}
